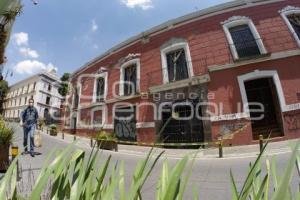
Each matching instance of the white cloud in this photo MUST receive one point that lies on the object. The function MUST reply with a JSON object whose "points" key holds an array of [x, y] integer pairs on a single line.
{"points": [[144, 4], [27, 52], [94, 26], [20, 38], [33, 66]]}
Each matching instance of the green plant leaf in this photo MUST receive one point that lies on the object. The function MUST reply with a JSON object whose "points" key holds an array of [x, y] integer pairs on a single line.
{"points": [[235, 194], [262, 188], [8, 177], [283, 190]]}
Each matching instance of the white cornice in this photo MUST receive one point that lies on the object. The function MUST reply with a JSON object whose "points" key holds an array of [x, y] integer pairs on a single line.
{"points": [[289, 8], [273, 56], [196, 80], [235, 18]]}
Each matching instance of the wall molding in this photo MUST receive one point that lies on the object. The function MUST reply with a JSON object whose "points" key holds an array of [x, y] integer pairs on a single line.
{"points": [[274, 56], [196, 80], [139, 125], [229, 117]]}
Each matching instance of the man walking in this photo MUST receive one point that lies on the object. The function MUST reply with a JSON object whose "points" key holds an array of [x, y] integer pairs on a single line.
{"points": [[29, 118]]}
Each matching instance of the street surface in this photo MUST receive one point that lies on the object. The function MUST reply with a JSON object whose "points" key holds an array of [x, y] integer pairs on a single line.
{"points": [[210, 175]]}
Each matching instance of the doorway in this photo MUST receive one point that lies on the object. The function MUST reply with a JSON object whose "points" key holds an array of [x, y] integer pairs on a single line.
{"points": [[182, 130], [125, 123], [269, 122], [47, 116]]}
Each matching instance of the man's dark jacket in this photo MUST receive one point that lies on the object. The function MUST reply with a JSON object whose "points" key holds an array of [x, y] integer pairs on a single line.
{"points": [[29, 116]]}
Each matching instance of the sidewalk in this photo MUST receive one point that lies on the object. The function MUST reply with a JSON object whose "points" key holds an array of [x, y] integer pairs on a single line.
{"points": [[210, 153]]}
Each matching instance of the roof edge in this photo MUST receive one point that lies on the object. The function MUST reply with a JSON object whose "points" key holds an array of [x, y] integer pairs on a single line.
{"points": [[35, 76], [172, 22]]}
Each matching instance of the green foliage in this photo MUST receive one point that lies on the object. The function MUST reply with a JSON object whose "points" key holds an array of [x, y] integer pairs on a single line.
{"points": [[53, 130], [9, 9], [3, 89], [64, 89], [103, 135], [3, 93], [65, 77], [73, 175], [6, 133], [257, 186], [53, 127]]}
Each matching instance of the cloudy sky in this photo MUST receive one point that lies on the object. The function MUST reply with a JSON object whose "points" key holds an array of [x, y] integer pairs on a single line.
{"points": [[65, 34]]}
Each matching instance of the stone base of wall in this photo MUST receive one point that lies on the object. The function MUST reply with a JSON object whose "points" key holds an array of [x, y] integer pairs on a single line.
{"points": [[236, 132]]}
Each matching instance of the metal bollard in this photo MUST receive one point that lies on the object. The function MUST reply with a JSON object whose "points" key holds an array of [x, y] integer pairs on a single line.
{"points": [[74, 138], [91, 142], [220, 148], [63, 135], [261, 142]]}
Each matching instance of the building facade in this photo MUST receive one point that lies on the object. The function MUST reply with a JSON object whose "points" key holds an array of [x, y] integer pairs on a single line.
{"points": [[231, 71], [43, 88]]}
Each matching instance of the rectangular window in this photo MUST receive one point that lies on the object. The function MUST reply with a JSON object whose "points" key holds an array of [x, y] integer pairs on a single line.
{"points": [[85, 117], [47, 100], [244, 41], [49, 87], [76, 98], [295, 22], [130, 80], [97, 120], [177, 65], [100, 89]]}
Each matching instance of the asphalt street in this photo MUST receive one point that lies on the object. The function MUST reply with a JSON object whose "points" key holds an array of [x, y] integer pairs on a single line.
{"points": [[209, 176]]}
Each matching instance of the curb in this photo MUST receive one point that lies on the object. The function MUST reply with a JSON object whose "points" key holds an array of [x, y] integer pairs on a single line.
{"points": [[200, 155]]}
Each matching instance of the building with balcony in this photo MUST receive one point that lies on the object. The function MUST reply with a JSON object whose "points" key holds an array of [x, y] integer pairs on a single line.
{"points": [[43, 88], [231, 71]]}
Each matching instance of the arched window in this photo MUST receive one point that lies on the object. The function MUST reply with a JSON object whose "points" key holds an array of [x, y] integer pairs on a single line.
{"points": [[291, 16], [130, 78], [243, 38], [100, 87], [176, 60]]}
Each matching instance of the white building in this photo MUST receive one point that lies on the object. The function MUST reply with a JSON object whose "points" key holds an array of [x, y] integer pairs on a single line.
{"points": [[43, 88]]}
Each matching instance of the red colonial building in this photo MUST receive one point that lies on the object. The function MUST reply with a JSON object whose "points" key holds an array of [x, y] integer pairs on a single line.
{"points": [[231, 71]]}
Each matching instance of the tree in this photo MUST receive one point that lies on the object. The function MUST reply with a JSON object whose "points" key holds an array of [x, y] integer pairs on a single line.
{"points": [[9, 9], [3, 92], [64, 88], [65, 77]]}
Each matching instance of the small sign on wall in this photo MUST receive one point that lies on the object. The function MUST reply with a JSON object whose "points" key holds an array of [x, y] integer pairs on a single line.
{"points": [[293, 107]]}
